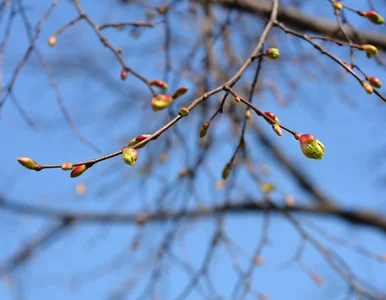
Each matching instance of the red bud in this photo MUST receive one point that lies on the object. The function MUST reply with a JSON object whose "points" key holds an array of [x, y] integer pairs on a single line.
{"points": [[375, 82], [159, 83], [78, 170], [123, 74]]}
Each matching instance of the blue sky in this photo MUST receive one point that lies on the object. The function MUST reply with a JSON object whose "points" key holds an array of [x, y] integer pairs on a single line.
{"points": [[78, 264]]}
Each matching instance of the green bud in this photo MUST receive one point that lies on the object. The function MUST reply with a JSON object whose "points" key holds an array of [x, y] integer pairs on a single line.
{"points": [[370, 50], [184, 111], [130, 156], [272, 53], [311, 147]]}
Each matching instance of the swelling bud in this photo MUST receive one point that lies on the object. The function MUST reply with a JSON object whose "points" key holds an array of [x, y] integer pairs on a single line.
{"points": [[311, 147], [130, 156]]}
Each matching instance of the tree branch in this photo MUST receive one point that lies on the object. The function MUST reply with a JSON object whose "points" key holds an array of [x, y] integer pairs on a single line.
{"points": [[304, 22], [355, 217]]}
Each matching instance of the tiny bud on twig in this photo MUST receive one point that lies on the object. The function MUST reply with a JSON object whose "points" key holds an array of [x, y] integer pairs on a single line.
{"points": [[184, 111], [337, 5], [375, 82], [204, 129], [159, 83], [368, 88], [52, 41], [180, 91], [78, 170], [277, 129], [123, 74], [66, 166], [272, 53], [138, 139]]}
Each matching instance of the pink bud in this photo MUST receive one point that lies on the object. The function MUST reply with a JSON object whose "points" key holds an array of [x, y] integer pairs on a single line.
{"points": [[52, 41], [78, 170]]}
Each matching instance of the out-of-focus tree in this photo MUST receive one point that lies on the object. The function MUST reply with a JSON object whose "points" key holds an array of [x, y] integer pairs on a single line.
{"points": [[167, 114]]}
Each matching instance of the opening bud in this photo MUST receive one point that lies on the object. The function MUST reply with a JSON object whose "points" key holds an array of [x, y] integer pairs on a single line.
{"points": [[138, 139], [204, 129], [180, 91], [130, 156], [29, 163], [375, 82], [368, 88], [311, 147], [159, 83], [78, 170], [52, 41], [272, 53], [66, 166], [160, 102]]}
